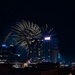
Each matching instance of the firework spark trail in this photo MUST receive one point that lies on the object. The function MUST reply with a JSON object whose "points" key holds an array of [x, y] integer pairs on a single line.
{"points": [[7, 37]]}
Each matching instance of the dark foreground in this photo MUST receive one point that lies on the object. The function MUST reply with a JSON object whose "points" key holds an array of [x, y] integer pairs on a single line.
{"points": [[6, 69]]}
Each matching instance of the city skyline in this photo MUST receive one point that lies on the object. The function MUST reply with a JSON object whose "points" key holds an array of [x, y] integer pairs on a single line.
{"points": [[21, 35], [59, 15]]}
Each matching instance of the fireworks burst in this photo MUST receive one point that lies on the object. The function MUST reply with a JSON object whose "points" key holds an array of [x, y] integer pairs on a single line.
{"points": [[46, 31], [22, 33]]}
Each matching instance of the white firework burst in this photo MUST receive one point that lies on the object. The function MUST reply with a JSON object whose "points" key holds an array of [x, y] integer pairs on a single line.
{"points": [[22, 33]]}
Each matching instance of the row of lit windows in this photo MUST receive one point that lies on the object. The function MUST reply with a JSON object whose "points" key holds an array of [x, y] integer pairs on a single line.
{"points": [[37, 40], [36, 51], [4, 55]]}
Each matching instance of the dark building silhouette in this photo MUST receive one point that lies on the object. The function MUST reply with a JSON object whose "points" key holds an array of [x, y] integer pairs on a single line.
{"points": [[7, 53], [54, 55]]}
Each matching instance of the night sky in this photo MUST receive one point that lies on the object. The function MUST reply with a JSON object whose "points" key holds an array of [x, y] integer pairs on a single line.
{"points": [[58, 14]]}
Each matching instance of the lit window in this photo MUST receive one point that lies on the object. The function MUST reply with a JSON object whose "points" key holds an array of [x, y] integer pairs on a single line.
{"points": [[42, 40], [12, 45], [38, 40], [3, 45], [48, 56], [0, 55], [47, 38], [49, 50], [39, 54], [30, 51], [39, 51], [38, 58], [43, 59]]}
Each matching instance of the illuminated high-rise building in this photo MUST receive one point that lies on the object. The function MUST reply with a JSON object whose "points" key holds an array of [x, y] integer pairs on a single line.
{"points": [[36, 52], [39, 50]]}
